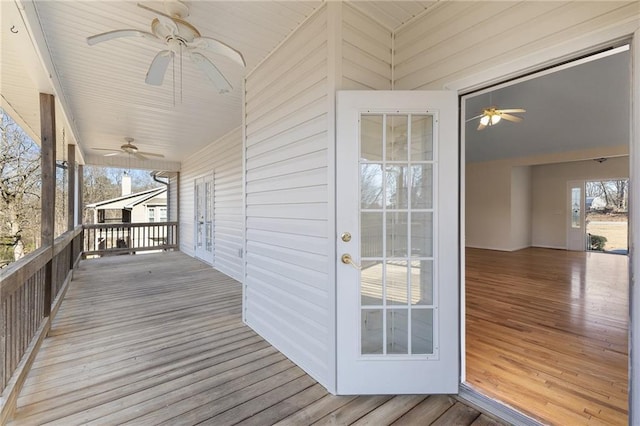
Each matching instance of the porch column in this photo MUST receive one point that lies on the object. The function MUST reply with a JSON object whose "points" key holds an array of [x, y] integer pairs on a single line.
{"points": [[80, 194], [48, 195], [71, 202]]}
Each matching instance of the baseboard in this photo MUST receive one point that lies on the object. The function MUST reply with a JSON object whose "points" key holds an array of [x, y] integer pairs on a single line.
{"points": [[549, 247], [502, 411]]}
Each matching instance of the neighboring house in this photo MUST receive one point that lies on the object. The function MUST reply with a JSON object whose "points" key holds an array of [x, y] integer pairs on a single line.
{"points": [[139, 207], [279, 174]]}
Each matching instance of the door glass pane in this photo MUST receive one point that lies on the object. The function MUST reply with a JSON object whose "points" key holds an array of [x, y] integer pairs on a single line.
{"points": [[421, 331], [422, 282], [371, 283], [397, 169], [397, 331], [397, 234], [397, 142], [422, 186], [371, 137], [397, 193], [575, 208], [208, 215], [422, 234], [371, 332], [371, 241], [397, 283], [422, 137], [199, 215], [371, 186]]}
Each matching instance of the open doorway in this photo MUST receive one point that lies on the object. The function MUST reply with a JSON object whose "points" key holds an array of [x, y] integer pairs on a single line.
{"points": [[607, 215], [546, 323]]}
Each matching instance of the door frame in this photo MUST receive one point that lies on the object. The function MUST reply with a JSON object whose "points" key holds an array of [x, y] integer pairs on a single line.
{"points": [[541, 63]]}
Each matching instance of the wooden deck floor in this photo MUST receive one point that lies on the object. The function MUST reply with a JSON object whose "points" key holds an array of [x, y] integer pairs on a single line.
{"points": [[158, 339], [547, 333]]}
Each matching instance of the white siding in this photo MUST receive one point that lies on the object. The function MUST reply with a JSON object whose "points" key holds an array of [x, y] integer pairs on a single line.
{"points": [[366, 52], [459, 39], [288, 278], [224, 159]]}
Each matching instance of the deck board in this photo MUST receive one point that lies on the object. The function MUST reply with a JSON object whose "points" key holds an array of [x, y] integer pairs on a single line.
{"points": [[158, 339]]}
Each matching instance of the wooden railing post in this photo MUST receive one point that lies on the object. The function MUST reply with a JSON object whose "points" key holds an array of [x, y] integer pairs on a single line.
{"points": [[48, 195]]}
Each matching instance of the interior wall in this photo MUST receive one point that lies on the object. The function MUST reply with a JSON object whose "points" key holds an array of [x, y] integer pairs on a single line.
{"points": [[223, 158], [488, 205], [521, 193], [549, 195]]}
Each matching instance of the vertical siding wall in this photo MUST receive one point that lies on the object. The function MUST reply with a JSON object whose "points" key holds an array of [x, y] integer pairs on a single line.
{"points": [[366, 52], [287, 267], [459, 39], [224, 159]]}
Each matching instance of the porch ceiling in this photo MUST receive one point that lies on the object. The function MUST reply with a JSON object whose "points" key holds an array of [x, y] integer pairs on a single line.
{"points": [[102, 87]]}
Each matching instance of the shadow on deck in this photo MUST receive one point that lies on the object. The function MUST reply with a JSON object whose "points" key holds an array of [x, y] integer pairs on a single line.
{"points": [[159, 339]]}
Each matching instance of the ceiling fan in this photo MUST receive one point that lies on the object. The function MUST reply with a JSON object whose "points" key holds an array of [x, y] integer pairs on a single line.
{"points": [[180, 37], [492, 116], [130, 149]]}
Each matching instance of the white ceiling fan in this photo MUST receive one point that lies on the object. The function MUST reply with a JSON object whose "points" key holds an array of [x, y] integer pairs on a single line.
{"points": [[179, 37], [492, 115], [129, 149]]}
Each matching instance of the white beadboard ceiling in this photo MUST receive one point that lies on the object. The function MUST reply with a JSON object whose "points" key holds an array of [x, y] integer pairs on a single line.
{"points": [[102, 87]]}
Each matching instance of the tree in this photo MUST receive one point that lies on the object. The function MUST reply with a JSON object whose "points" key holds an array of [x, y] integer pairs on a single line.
{"points": [[19, 190]]}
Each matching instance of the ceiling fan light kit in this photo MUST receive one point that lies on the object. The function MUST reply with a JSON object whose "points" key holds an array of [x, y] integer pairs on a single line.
{"points": [[180, 37], [492, 116]]}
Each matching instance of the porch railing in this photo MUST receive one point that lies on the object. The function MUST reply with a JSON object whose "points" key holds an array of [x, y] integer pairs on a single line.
{"points": [[30, 293], [105, 239]]}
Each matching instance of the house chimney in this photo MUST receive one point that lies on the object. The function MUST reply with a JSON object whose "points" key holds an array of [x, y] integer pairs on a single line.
{"points": [[126, 184]]}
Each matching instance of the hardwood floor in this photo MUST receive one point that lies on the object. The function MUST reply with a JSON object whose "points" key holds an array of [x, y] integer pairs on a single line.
{"points": [[158, 339], [547, 333]]}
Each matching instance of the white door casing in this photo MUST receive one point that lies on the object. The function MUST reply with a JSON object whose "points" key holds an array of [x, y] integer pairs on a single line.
{"points": [[576, 228], [203, 218], [397, 219]]}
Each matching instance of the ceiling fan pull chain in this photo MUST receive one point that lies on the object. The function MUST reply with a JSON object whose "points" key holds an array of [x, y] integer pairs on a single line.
{"points": [[181, 73]]}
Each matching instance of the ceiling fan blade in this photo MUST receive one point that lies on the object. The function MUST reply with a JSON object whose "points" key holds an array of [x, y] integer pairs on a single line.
{"points": [[112, 154], [158, 68], [106, 149], [151, 154], [110, 35], [513, 110], [473, 118], [139, 156], [510, 117], [218, 47], [211, 71], [169, 24], [152, 10]]}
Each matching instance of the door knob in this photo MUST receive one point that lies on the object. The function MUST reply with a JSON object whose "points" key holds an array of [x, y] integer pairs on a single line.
{"points": [[348, 260]]}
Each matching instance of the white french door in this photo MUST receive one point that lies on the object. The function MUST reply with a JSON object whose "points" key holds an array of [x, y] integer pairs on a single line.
{"points": [[397, 243], [576, 227], [203, 209]]}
